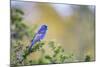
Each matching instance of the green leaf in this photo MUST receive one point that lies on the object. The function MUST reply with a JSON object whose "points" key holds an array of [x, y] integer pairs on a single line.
{"points": [[48, 57]]}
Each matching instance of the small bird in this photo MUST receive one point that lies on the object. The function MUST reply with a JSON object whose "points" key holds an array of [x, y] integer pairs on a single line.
{"points": [[38, 36]]}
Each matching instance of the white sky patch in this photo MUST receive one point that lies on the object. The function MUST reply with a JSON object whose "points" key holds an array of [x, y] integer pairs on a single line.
{"points": [[63, 9]]}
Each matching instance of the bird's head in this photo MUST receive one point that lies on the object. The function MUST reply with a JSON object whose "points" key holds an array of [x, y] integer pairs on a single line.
{"points": [[44, 27]]}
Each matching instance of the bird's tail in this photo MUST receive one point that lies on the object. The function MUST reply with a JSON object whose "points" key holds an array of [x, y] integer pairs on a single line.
{"points": [[30, 47]]}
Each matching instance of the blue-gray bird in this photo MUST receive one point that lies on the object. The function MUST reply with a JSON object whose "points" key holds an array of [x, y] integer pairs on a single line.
{"points": [[38, 36]]}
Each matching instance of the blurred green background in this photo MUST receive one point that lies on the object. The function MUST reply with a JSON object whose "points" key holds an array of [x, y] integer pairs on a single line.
{"points": [[70, 26]]}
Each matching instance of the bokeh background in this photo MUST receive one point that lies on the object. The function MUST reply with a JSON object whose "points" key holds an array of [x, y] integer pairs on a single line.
{"points": [[69, 25]]}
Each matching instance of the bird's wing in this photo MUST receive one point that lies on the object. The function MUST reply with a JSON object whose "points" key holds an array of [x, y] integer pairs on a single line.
{"points": [[37, 37]]}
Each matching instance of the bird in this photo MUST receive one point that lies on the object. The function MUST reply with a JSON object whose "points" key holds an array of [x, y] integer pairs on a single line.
{"points": [[38, 36]]}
